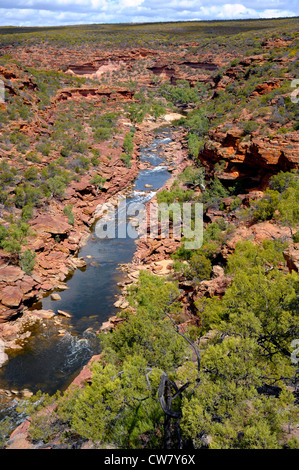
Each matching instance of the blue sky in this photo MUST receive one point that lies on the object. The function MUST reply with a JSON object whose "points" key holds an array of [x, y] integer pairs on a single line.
{"points": [[62, 12]]}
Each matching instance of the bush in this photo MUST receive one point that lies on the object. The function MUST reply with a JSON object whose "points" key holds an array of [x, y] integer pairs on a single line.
{"points": [[136, 113], [68, 211], [195, 144], [27, 261], [235, 204], [44, 148], [296, 237], [25, 194], [179, 94], [33, 157], [250, 126], [12, 239], [200, 266], [214, 194], [194, 176], [282, 181], [98, 181], [102, 134], [126, 159], [128, 144], [264, 208], [27, 212]]}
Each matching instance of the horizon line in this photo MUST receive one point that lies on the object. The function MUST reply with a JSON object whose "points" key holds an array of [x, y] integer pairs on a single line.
{"points": [[153, 22]]}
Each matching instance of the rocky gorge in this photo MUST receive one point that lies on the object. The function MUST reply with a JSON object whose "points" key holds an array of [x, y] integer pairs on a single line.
{"points": [[233, 129]]}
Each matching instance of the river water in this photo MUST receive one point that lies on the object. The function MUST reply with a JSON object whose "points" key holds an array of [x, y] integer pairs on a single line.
{"points": [[51, 358]]}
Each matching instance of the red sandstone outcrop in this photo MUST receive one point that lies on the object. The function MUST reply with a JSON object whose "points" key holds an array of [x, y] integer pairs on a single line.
{"points": [[291, 256], [115, 94], [253, 157]]}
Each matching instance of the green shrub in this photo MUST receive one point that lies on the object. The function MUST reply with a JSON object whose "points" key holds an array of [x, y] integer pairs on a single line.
{"points": [[103, 133], [25, 194], [195, 144], [98, 181], [27, 261], [264, 208], [27, 212], [282, 181], [200, 266], [31, 173], [21, 141], [214, 194], [33, 157], [250, 126], [126, 159], [44, 148], [235, 204], [128, 144], [68, 211]]}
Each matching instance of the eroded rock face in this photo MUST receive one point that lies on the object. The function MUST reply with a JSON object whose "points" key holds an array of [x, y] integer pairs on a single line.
{"points": [[115, 94], [213, 287], [291, 256], [253, 157]]}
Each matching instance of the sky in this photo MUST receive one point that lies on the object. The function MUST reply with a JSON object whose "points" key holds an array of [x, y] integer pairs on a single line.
{"points": [[64, 12]]}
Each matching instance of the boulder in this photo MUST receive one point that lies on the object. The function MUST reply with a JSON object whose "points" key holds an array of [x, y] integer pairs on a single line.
{"points": [[291, 255], [121, 303], [42, 314], [64, 314], [55, 296], [55, 225], [11, 296], [11, 274], [218, 271]]}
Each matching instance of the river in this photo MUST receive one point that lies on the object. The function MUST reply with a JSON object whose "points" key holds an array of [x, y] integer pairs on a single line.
{"points": [[52, 358]]}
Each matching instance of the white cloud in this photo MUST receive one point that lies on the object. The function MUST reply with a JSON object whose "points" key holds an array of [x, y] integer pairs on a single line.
{"points": [[131, 3]]}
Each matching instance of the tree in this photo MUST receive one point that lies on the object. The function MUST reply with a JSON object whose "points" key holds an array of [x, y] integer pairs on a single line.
{"points": [[98, 181], [68, 211], [128, 144], [247, 360], [27, 261], [155, 387], [137, 112], [12, 239], [157, 110]]}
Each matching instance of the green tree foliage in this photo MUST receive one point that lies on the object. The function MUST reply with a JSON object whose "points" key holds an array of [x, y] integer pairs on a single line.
{"points": [[137, 112], [195, 144], [251, 258], [68, 211], [13, 237], [214, 193], [256, 321], [128, 144], [98, 181], [193, 176], [200, 266], [27, 261], [281, 202], [241, 400], [179, 94], [157, 110]]}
